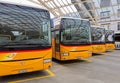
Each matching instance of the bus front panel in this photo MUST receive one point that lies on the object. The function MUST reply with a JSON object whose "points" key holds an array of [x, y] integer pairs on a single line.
{"points": [[75, 52], [25, 39], [109, 38], [23, 62], [98, 40], [110, 46], [98, 48], [72, 40]]}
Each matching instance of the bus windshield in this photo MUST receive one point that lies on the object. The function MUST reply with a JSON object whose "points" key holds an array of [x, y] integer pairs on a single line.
{"points": [[109, 36], [75, 31], [20, 25], [117, 37], [98, 35]]}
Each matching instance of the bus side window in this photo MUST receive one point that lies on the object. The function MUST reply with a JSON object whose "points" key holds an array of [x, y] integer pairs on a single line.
{"points": [[57, 41], [53, 34], [57, 37]]}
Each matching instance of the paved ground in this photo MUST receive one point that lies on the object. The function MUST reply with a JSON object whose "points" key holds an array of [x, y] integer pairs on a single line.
{"points": [[103, 68]]}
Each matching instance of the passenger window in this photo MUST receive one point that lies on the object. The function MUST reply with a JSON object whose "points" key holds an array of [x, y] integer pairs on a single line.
{"points": [[57, 41], [57, 37]]}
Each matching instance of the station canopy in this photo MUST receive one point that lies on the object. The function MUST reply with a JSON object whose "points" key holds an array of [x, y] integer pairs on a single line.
{"points": [[94, 10]]}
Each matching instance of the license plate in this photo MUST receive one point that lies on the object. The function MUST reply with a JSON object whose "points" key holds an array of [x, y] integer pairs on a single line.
{"points": [[23, 71]]}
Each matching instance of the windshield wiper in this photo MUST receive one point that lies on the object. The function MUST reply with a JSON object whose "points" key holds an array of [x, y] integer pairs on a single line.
{"points": [[4, 44], [22, 44], [38, 44]]}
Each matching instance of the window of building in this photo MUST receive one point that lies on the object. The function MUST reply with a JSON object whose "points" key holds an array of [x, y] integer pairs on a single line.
{"points": [[106, 26], [118, 26], [118, 12], [105, 15], [118, 1], [105, 3]]}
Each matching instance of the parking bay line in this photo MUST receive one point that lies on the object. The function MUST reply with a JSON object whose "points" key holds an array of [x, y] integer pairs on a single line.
{"points": [[51, 74]]}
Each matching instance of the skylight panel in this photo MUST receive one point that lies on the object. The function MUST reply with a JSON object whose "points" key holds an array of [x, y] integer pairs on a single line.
{"points": [[73, 7], [69, 9], [50, 5], [63, 10]]}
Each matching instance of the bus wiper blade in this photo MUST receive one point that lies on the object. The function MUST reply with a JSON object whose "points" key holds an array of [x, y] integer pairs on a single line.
{"points": [[3, 45], [38, 44], [34, 45], [22, 44]]}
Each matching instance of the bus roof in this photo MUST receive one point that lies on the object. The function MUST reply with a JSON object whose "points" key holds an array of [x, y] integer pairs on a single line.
{"points": [[98, 27], [95, 26], [55, 29], [109, 30], [75, 18], [24, 5], [58, 20], [70, 18], [117, 32]]}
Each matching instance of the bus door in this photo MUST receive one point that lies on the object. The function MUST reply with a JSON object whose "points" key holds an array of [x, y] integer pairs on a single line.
{"points": [[57, 44]]}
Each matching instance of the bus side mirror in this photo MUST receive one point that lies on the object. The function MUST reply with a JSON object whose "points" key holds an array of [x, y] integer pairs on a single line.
{"points": [[51, 23]]}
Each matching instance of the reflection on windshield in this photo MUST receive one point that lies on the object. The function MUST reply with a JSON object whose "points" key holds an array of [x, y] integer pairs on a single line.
{"points": [[40, 35], [19, 24], [98, 35], [109, 36], [4, 38], [75, 31]]}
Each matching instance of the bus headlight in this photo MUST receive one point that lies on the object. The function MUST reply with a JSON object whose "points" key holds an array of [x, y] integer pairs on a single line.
{"points": [[65, 54], [47, 60]]}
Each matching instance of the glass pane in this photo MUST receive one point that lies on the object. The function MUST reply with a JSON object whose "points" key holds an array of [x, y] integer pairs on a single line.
{"points": [[98, 35], [24, 25], [105, 3], [75, 31]]}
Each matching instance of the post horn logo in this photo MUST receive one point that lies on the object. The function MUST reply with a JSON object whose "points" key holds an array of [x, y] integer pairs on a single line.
{"points": [[12, 55], [74, 48]]}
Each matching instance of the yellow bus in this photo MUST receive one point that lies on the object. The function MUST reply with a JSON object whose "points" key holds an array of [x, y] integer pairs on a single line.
{"points": [[25, 39], [109, 39], [71, 39], [98, 39]]}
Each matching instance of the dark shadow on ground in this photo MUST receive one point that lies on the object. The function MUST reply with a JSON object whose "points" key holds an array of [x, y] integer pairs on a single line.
{"points": [[10, 78], [68, 61], [97, 54]]}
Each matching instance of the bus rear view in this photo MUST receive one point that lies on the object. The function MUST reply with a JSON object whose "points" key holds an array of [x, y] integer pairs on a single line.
{"points": [[109, 39], [25, 39], [72, 39], [98, 39]]}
